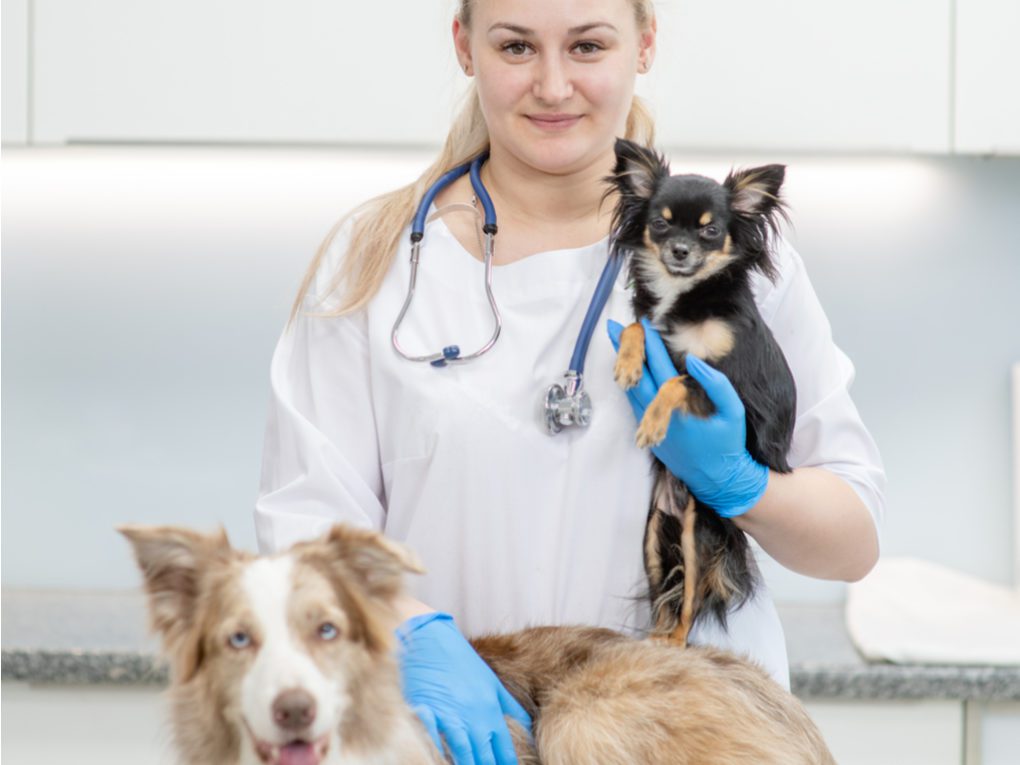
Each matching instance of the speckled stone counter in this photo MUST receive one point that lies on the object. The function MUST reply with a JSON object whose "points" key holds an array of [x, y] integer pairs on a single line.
{"points": [[100, 638]]}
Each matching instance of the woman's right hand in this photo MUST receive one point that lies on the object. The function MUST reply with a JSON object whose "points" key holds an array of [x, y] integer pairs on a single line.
{"points": [[456, 695]]}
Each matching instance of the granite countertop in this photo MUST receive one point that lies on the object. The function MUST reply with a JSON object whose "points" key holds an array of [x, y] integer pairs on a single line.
{"points": [[101, 638]]}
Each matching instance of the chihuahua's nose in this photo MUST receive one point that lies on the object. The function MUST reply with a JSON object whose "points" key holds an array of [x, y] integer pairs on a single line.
{"points": [[680, 250], [294, 709]]}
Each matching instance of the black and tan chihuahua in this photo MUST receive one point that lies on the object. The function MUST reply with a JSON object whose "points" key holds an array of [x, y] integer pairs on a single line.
{"points": [[694, 244]]}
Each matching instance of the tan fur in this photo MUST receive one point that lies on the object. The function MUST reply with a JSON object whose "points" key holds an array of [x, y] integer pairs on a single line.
{"points": [[672, 396], [595, 696], [705, 219], [687, 543], [598, 697], [667, 213], [631, 358], [711, 340], [654, 563]]}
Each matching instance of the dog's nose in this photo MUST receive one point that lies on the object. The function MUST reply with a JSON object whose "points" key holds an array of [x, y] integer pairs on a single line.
{"points": [[680, 250], [294, 709]]}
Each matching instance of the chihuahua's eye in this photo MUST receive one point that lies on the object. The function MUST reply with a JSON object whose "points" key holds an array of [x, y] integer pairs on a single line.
{"points": [[710, 232], [328, 631], [659, 226], [239, 640]]}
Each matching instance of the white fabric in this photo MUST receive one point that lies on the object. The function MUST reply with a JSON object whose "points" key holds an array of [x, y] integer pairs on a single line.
{"points": [[514, 527], [914, 611]]}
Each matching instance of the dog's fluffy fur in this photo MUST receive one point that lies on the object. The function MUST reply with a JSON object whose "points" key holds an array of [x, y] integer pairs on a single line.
{"points": [[694, 244], [246, 636]]}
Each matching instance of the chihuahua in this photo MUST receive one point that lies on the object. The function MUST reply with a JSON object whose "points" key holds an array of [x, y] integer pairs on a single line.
{"points": [[694, 244]]}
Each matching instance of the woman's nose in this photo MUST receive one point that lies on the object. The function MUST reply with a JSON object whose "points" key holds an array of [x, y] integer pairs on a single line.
{"points": [[552, 82]]}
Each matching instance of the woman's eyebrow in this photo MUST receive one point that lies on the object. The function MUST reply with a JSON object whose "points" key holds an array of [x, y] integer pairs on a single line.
{"points": [[524, 31]]}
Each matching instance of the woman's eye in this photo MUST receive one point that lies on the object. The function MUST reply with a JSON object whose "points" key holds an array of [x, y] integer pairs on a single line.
{"points": [[239, 640], [660, 226], [516, 48], [710, 232], [587, 48], [328, 631]]}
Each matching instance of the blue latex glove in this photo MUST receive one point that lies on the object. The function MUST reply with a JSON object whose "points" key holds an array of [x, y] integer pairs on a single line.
{"points": [[708, 454], [455, 694]]}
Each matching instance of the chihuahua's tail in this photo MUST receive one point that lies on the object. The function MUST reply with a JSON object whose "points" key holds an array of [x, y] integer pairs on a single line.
{"points": [[696, 561]]}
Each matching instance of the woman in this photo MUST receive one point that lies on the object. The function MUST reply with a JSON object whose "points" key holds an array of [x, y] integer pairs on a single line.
{"points": [[513, 526]]}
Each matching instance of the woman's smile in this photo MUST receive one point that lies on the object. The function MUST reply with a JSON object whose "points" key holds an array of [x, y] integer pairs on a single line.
{"points": [[554, 123]]}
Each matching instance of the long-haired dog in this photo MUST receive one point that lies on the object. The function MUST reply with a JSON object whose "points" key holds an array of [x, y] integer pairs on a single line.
{"points": [[289, 660], [694, 244]]}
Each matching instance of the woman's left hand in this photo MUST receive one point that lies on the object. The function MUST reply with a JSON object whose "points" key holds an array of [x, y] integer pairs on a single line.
{"points": [[708, 454]]}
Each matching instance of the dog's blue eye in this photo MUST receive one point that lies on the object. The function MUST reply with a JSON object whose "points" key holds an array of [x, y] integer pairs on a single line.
{"points": [[239, 639], [710, 232], [660, 225], [328, 631]]}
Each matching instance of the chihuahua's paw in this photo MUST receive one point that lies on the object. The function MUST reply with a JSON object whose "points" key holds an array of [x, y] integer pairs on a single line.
{"points": [[630, 360], [653, 427], [628, 370]]}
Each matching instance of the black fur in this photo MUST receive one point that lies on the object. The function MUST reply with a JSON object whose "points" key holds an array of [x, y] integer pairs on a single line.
{"points": [[744, 210]]}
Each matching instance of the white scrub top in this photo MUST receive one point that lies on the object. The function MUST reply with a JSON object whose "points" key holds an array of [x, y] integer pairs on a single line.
{"points": [[515, 527]]}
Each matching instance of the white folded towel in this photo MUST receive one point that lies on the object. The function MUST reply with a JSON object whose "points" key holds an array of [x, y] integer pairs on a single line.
{"points": [[916, 612]]}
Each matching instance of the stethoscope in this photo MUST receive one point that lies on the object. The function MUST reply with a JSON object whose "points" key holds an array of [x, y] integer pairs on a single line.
{"points": [[565, 404]]}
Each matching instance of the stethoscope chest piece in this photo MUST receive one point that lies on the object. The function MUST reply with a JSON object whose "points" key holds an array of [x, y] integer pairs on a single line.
{"points": [[567, 405]]}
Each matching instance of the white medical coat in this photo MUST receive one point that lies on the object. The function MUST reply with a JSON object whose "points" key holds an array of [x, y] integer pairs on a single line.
{"points": [[515, 527]]}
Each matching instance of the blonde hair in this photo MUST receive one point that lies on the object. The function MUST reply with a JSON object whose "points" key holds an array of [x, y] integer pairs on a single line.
{"points": [[380, 222]]}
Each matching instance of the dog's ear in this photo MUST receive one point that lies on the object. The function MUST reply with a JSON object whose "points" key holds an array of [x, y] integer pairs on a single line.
{"points": [[172, 560], [638, 170], [756, 191], [378, 562]]}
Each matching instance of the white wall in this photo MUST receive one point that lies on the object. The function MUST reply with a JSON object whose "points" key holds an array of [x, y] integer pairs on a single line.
{"points": [[144, 289]]}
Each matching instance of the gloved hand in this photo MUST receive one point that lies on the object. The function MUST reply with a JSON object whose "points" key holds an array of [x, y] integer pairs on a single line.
{"points": [[708, 454], [455, 694]]}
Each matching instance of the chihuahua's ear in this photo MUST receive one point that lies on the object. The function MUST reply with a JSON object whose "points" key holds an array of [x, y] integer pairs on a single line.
{"points": [[173, 561], [755, 191], [638, 169]]}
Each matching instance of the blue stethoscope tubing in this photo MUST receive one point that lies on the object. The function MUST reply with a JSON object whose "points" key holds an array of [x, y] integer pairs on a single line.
{"points": [[564, 405], [451, 353]]}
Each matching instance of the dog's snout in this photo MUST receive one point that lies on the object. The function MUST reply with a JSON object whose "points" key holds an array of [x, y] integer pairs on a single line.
{"points": [[294, 709], [680, 250]]}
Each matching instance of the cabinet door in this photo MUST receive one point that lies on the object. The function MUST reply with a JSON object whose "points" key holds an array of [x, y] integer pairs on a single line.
{"points": [[871, 75], [891, 732], [292, 71], [987, 77], [15, 72]]}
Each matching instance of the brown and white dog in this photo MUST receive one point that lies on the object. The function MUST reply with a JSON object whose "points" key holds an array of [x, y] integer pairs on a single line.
{"points": [[289, 660]]}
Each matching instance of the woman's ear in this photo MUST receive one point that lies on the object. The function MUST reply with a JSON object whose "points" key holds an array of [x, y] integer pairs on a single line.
{"points": [[646, 46], [462, 46]]}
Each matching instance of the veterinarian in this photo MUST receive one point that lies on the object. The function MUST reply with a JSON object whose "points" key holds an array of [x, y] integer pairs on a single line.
{"points": [[516, 527]]}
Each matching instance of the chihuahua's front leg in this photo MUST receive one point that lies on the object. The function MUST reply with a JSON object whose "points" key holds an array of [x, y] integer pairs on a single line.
{"points": [[630, 360], [672, 396]]}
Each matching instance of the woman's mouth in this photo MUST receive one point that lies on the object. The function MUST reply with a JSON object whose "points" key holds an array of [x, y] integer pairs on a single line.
{"points": [[554, 123]]}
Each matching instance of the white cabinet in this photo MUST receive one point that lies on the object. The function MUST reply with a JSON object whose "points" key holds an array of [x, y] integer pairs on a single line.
{"points": [[15, 71], [85, 725], [802, 75], [987, 77], [891, 732], [886, 76], [290, 71]]}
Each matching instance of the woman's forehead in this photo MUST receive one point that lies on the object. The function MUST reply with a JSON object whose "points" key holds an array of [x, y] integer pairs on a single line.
{"points": [[540, 16]]}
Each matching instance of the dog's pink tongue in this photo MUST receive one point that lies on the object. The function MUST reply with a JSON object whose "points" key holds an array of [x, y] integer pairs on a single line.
{"points": [[298, 753]]}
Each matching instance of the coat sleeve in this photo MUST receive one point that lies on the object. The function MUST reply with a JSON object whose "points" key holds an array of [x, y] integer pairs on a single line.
{"points": [[320, 461], [829, 432]]}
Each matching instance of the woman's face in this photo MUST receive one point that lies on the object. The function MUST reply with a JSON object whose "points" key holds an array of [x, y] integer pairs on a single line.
{"points": [[555, 77]]}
